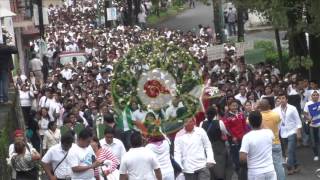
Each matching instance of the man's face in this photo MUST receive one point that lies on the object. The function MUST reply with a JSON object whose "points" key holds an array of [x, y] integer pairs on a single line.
{"points": [[242, 90], [189, 125], [283, 100], [66, 146], [84, 142], [109, 138]]}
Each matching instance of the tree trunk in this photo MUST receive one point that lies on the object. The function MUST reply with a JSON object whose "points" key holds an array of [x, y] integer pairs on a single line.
{"points": [[276, 32], [314, 44], [218, 20], [240, 22]]}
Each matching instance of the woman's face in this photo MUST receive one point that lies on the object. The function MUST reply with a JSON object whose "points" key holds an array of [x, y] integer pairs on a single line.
{"points": [[315, 97], [44, 112], [268, 90], [31, 74], [94, 145], [233, 107], [150, 117], [248, 107], [251, 97]]}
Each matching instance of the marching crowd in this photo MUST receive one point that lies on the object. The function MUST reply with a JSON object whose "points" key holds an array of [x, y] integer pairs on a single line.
{"points": [[257, 107]]}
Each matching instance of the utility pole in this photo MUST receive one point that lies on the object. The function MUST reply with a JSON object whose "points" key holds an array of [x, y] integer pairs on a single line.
{"points": [[40, 15], [218, 19]]}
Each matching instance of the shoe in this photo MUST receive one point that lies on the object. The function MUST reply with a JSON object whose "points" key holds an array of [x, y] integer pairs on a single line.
{"points": [[297, 169], [291, 172], [316, 158]]}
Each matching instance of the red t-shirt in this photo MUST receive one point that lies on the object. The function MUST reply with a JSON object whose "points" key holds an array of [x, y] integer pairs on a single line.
{"points": [[236, 125]]}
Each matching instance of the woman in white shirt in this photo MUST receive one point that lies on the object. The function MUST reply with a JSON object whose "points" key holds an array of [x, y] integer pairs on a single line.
{"points": [[161, 148], [51, 137], [26, 97], [43, 121]]}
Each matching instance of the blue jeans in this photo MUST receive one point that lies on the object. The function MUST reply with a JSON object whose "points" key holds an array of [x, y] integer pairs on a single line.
{"points": [[277, 161], [4, 85], [314, 133], [291, 143], [234, 152]]}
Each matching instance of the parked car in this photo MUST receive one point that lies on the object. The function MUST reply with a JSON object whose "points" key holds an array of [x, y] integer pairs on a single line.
{"points": [[67, 57]]}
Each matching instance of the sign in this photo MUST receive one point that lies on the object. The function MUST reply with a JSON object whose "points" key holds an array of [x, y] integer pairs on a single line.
{"points": [[215, 52], [314, 110], [112, 14], [45, 15], [1, 38], [242, 47]]}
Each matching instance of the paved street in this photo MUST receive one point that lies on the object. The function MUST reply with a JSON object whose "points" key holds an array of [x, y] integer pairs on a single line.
{"points": [[202, 14]]}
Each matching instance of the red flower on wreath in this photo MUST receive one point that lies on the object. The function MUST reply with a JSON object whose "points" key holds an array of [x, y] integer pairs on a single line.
{"points": [[153, 88]]}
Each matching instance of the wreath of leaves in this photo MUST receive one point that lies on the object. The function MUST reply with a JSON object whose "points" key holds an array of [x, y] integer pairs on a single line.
{"points": [[157, 54]]}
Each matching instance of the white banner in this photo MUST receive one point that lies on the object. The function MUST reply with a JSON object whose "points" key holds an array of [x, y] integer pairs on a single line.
{"points": [[215, 52], [242, 47], [112, 14]]}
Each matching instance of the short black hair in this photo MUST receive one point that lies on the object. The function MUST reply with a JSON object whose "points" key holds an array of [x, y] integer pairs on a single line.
{"points": [[108, 130], [67, 138], [211, 113], [51, 124], [255, 119], [108, 118], [85, 133], [136, 139], [283, 94]]}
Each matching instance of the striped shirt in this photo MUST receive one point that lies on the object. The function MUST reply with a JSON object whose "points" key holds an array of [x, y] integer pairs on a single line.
{"points": [[104, 154], [23, 162]]}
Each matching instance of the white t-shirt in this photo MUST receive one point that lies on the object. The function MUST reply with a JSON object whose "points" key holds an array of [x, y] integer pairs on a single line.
{"points": [[258, 146], [139, 164], [138, 115], [54, 155], [162, 152], [82, 157]]}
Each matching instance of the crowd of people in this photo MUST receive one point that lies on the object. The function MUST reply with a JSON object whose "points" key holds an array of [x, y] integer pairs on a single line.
{"points": [[252, 99]]}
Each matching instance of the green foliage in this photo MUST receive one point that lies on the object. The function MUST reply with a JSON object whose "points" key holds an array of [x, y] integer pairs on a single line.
{"points": [[297, 62], [5, 142], [268, 46]]}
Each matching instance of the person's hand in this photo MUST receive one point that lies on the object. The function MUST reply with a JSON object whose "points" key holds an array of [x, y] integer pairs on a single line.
{"points": [[299, 136], [234, 139], [210, 165], [97, 163]]}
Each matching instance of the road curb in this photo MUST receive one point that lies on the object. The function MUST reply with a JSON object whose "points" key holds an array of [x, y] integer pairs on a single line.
{"points": [[258, 29]]}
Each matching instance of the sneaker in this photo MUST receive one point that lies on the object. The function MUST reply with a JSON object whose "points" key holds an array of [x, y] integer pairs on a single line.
{"points": [[316, 158], [290, 172], [297, 169]]}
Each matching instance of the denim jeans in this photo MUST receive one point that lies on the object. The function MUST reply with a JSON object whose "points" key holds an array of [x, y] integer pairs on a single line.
{"points": [[291, 143], [277, 161], [234, 152], [314, 133], [4, 85], [201, 174], [265, 176]]}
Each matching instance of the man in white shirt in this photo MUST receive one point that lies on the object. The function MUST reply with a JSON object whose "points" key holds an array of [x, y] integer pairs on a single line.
{"points": [[67, 72], [138, 117], [139, 163], [82, 157], [242, 94], [171, 111], [290, 130], [259, 160], [193, 152], [35, 65], [56, 162], [114, 144]]}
